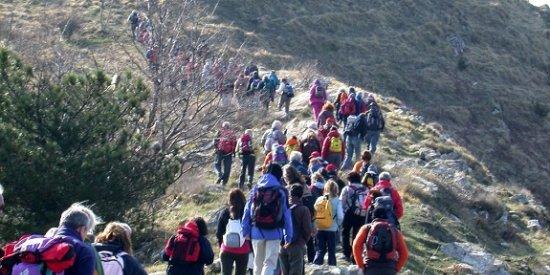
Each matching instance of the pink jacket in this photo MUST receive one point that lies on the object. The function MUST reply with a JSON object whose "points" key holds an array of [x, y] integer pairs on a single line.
{"points": [[313, 99]]}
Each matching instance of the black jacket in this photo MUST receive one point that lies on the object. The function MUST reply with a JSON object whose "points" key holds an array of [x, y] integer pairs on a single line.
{"points": [[131, 265]]}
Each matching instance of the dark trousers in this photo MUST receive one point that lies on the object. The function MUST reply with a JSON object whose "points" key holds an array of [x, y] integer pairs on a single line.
{"points": [[247, 168], [351, 224], [223, 167], [379, 271], [227, 260], [292, 260], [310, 250], [284, 101], [325, 242]]}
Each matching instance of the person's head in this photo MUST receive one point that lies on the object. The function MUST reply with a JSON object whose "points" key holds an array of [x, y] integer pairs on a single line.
{"points": [[330, 122], [266, 78], [296, 191], [256, 74], [201, 225], [226, 125], [295, 156], [370, 98], [366, 156], [328, 106], [331, 189], [277, 125], [276, 170], [2, 205], [380, 213], [116, 232], [248, 132], [331, 168], [318, 177], [314, 154], [353, 177], [317, 82], [385, 176], [284, 80], [237, 201], [80, 218], [351, 90], [334, 128], [342, 90], [291, 175]]}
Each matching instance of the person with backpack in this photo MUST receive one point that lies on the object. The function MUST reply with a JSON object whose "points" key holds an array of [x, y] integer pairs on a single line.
{"points": [[292, 254], [379, 248], [250, 69], [234, 249], [273, 136], [273, 84], [253, 83], [390, 200], [267, 221], [327, 112], [322, 133], [328, 218], [375, 125], [295, 160], [291, 145], [134, 22], [352, 136], [340, 99], [317, 98], [333, 147], [309, 145], [361, 167], [331, 173], [348, 107], [188, 251], [276, 156], [114, 246], [360, 105], [287, 93], [225, 144], [265, 87], [352, 197], [248, 158], [239, 87]]}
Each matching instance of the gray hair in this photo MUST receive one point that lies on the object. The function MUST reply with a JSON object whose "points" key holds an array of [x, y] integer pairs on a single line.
{"points": [[295, 156], [385, 176], [78, 215], [276, 125], [248, 132], [226, 124]]}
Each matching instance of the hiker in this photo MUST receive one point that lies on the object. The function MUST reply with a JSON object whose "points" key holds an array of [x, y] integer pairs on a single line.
{"points": [[276, 156], [287, 93], [250, 69], [253, 83], [327, 112], [386, 250], [295, 160], [375, 125], [360, 106], [225, 144], [340, 99], [322, 133], [248, 158], [331, 173], [292, 254], [328, 217], [134, 22], [333, 147], [292, 144], [265, 87], [239, 88], [273, 136], [391, 195], [114, 246], [361, 167], [267, 221], [234, 248], [273, 84], [352, 135], [317, 98], [348, 107], [188, 250], [352, 198], [75, 223], [316, 162], [308, 146]]}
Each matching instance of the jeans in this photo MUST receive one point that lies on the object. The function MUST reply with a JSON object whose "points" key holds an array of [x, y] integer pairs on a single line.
{"points": [[227, 260], [372, 138], [266, 255], [325, 241], [223, 167], [310, 250], [353, 146], [247, 168], [292, 260], [351, 224], [285, 100]]}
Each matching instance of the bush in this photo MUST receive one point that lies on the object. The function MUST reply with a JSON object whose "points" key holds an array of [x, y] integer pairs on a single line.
{"points": [[69, 26]]}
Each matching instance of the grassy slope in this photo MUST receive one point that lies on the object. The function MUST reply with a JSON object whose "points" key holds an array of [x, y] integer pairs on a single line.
{"points": [[399, 50]]}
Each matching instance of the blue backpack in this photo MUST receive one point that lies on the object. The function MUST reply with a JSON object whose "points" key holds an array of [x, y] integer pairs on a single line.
{"points": [[279, 155], [288, 90]]}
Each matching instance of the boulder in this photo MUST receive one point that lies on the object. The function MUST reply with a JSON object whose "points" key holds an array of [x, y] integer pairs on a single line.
{"points": [[460, 269], [534, 225], [426, 186], [473, 255], [428, 154], [520, 198]]}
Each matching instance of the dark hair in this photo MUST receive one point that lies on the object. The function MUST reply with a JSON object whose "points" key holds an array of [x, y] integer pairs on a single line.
{"points": [[237, 201], [292, 175], [380, 213], [297, 191], [201, 225], [354, 177], [275, 170], [366, 156]]}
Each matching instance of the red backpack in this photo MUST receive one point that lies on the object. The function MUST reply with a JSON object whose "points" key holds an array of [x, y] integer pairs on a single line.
{"points": [[246, 144], [227, 142], [184, 247], [268, 208], [382, 242], [348, 108]]}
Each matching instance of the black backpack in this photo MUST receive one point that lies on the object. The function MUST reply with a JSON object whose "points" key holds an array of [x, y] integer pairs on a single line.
{"points": [[375, 120], [268, 208]]}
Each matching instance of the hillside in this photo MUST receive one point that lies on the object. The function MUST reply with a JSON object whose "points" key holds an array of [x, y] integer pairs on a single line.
{"points": [[467, 133]]}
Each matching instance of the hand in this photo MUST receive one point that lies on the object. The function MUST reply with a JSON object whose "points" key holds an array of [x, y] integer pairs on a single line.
{"points": [[286, 246]]}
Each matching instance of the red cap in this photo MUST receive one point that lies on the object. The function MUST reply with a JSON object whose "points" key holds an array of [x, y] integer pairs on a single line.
{"points": [[315, 154], [331, 168]]}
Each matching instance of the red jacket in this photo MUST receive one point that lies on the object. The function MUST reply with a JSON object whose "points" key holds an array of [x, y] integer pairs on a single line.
{"points": [[326, 144], [396, 198]]}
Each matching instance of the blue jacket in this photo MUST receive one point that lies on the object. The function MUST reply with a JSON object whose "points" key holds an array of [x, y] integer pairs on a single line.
{"points": [[84, 263], [250, 230]]}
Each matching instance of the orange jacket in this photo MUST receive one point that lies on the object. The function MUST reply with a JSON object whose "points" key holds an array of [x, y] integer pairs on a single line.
{"points": [[359, 246]]}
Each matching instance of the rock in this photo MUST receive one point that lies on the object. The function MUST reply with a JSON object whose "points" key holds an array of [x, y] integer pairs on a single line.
{"points": [[434, 258], [473, 255], [504, 244], [534, 225], [354, 270], [520, 198], [428, 154], [460, 269], [426, 186], [213, 217]]}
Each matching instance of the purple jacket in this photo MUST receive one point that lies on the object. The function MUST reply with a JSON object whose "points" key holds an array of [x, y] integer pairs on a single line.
{"points": [[84, 263]]}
